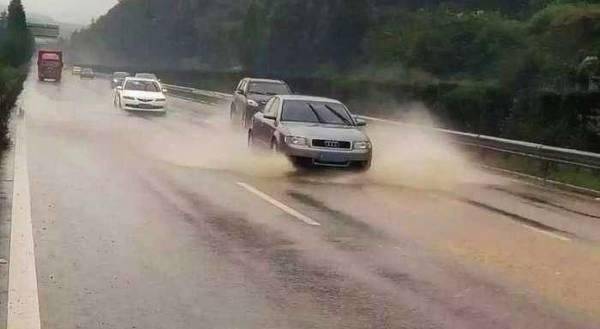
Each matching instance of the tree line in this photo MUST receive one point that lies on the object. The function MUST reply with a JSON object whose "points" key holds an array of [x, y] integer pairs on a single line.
{"points": [[487, 66], [16, 49]]}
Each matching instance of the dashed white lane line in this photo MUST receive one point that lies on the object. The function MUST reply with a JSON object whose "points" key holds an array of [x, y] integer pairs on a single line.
{"points": [[23, 303], [279, 205], [550, 234]]}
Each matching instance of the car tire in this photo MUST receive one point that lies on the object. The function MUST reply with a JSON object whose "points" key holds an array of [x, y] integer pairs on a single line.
{"points": [[363, 166], [251, 144]]}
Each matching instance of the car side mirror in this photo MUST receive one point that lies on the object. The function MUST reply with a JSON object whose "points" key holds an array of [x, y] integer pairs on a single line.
{"points": [[164, 90], [119, 87], [360, 122]]}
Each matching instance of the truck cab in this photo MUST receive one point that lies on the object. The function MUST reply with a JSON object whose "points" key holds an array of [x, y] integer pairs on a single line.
{"points": [[50, 65]]}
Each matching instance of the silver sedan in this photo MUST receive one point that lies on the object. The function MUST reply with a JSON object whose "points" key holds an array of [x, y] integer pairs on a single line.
{"points": [[312, 131]]}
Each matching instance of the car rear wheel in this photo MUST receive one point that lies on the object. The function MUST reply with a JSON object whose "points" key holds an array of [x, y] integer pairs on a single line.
{"points": [[251, 140]]}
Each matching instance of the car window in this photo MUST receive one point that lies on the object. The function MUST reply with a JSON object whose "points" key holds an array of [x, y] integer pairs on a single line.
{"points": [[267, 107], [316, 112], [139, 85], [239, 86], [244, 84], [273, 108], [268, 88]]}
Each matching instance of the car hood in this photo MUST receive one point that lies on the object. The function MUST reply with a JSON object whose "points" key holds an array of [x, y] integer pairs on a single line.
{"points": [[320, 131], [143, 94]]}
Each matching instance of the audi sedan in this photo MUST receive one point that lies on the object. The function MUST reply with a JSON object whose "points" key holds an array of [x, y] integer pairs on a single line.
{"points": [[312, 131], [140, 95]]}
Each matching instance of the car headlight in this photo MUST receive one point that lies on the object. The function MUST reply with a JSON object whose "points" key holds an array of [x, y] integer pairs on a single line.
{"points": [[129, 97], [296, 141], [252, 103], [115, 80], [362, 145]]}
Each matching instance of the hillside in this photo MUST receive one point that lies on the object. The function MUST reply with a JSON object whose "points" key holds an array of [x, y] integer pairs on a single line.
{"points": [[174, 33]]}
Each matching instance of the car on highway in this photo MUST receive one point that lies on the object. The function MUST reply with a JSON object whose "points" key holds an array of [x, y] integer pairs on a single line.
{"points": [[150, 76], [138, 94], [87, 73], [118, 78], [312, 131], [76, 70], [251, 95]]}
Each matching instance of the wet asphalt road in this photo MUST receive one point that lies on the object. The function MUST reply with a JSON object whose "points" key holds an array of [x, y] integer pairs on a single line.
{"points": [[141, 222]]}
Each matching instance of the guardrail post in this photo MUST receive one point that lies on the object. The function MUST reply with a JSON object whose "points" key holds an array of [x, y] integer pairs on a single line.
{"points": [[546, 165]]}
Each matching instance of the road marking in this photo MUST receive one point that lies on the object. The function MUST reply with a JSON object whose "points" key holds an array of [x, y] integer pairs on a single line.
{"points": [[279, 205], [550, 234], [23, 303]]}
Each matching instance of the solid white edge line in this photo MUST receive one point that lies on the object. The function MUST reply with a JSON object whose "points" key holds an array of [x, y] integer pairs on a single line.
{"points": [[279, 205], [550, 234], [23, 302]]}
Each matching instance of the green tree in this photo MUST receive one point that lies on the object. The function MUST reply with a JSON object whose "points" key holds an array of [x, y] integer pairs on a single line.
{"points": [[18, 45], [254, 31], [349, 28]]}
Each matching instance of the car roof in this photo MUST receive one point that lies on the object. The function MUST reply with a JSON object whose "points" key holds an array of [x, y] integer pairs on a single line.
{"points": [[139, 79], [307, 98], [144, 73], [120, 73], [264, 80]]}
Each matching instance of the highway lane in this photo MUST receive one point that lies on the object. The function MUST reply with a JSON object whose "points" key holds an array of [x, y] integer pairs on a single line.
{"points": [[168, 222]]}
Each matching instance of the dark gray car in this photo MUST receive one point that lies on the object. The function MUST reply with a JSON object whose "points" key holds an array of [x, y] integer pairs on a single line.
{"points": [[312, 131], [251, 95], [118, 78]]}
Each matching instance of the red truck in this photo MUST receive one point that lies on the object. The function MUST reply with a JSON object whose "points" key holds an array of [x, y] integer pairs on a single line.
{"points": [[50, 64]]}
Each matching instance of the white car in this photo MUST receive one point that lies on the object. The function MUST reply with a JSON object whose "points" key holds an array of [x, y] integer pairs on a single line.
{"points": [[138, 94], [76, 70]]}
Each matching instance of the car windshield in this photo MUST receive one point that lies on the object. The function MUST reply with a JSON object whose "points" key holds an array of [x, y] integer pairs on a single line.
{"points": [[268, 88], [139, 85], [316, 112]]}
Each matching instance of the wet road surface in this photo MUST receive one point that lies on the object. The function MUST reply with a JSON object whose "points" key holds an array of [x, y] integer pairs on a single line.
{"points": [[164, 222]]}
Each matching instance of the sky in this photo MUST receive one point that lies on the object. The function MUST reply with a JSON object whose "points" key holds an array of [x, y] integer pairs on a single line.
{"points": [[69, 11]]}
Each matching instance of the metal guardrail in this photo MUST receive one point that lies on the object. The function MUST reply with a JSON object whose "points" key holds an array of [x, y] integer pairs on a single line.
{"points": [[527, 149], [192, 91], [548, 155], [539, 151]]}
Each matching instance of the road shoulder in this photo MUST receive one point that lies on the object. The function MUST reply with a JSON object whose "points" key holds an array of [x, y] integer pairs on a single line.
{"points": [[6, 191]]}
